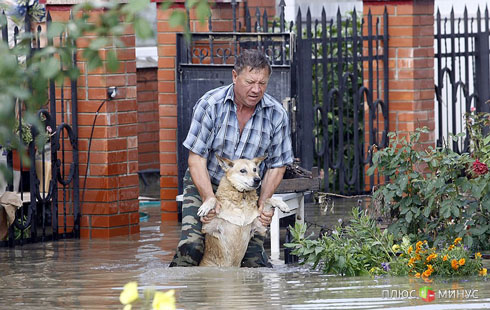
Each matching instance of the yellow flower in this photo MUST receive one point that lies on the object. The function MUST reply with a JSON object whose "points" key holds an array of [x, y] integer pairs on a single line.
{"points": [[129, 293], [444, 258], [462, 261], [451, 247], [454, 264], [395, 247], [164, 301], [429, 267], [483, 272], [417, 275], [478, 255], [457, 240], [410, 249], [426, 274], [418, 257]]}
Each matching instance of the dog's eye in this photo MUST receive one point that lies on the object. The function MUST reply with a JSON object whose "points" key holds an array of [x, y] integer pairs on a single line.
{"points": [[243, 171], [255, 169]]}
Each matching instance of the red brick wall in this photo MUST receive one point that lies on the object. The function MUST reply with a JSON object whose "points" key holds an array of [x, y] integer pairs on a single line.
{"points": [[147, 101], [110, 206], [411, 63]]}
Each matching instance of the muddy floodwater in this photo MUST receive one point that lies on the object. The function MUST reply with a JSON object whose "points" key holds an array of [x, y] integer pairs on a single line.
{"points": [[90, 274]]}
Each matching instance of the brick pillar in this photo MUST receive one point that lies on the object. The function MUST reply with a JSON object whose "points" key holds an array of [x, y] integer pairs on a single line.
{"points": [[110, 206], [411, 63]]}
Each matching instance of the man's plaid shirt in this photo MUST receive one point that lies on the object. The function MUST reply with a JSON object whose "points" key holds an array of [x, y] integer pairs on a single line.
{"points": [[214, 130]]}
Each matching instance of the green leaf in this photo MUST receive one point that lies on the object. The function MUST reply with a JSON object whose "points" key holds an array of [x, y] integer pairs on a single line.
{"points": [[98, 43], [408, 217], [55, 29], [178, 18], [50, 67], [142, 28], [112, 61], [135, 6]]}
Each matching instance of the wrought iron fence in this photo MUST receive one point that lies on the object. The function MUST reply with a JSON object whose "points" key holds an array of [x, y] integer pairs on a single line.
{"points": [[461, 73], [342, 85], [49, 189]]}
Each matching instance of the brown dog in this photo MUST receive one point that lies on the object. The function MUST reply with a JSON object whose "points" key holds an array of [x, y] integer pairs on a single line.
{"points": [[228, 234]]}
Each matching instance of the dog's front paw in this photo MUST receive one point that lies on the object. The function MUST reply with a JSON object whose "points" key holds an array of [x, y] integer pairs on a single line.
{"points": [[277, 203], [207, 206]]}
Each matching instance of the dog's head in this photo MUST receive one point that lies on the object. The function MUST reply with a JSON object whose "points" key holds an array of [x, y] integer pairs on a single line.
{"points": [[243, 174]]}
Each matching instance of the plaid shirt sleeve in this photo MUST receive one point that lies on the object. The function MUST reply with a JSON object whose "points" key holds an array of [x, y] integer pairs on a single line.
{"points": [[201, 133], [281, 151]]}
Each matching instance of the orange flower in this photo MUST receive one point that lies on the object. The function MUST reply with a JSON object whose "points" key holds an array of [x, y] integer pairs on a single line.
{"points": [[444, 258], [410, 249], [451, 247], [454, 264], [431, 257], [457, 240], [483, 272], [426, 274], [411, 261], [429, 267], [478, 255], [418, 245], [418, 257], [417, 275], [461, 261]]}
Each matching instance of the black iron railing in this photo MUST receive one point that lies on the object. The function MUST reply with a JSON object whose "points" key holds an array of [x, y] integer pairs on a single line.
{"points": [[54, 167], [462, 73], [341, 73]]}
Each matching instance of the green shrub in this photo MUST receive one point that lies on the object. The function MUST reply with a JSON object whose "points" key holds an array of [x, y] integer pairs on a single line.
{"points": [[436, 194]]}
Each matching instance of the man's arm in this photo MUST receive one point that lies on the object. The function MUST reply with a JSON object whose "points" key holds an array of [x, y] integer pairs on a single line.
{"points": [[200, 176], [270, 182]]}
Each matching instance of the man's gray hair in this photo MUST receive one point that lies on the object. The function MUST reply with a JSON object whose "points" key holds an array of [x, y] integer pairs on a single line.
{"points": [[252, 58]]}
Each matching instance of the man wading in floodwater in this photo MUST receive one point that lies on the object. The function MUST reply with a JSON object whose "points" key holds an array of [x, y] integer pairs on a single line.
{"points": [[235, 121]]}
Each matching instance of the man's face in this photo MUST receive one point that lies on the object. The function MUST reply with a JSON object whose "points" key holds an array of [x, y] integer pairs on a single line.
{"points": [[250, 86]]}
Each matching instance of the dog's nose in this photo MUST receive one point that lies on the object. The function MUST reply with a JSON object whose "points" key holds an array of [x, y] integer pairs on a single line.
{"points": [[256, 181]]}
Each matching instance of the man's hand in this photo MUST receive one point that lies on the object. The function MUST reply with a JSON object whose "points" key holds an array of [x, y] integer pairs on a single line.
{"points": [[211, 214], [265, 216]]}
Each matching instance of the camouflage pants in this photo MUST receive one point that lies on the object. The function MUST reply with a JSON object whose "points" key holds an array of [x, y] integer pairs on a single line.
{"points": [[191, 246]]}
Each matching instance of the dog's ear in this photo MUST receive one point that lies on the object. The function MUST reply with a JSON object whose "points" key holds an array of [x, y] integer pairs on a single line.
{"points": [[225, 163], [258, 160]]}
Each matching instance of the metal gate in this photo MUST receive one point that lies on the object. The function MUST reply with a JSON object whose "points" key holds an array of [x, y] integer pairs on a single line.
{"points": [[206, 61], [341, 74], [49, 189], [462, 73]]}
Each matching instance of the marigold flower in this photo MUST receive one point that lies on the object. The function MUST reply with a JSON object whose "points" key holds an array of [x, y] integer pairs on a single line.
{"points": [[419, 244], [426, 273], [457, 240], [451, 247], [483, 272], [461, 261], [417, 275], [454, 264], [418, 257], [431, 257], [478, 255], [444, 258], [411, 261], [410, 249], [429, 267]]}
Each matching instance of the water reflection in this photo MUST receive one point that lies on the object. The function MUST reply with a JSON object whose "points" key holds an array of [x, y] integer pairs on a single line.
{"points": [[82, 274]]}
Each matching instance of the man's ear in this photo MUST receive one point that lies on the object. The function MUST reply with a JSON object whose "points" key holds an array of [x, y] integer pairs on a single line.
{"points": [[225, 163], [234, 75], [258, 160]]}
